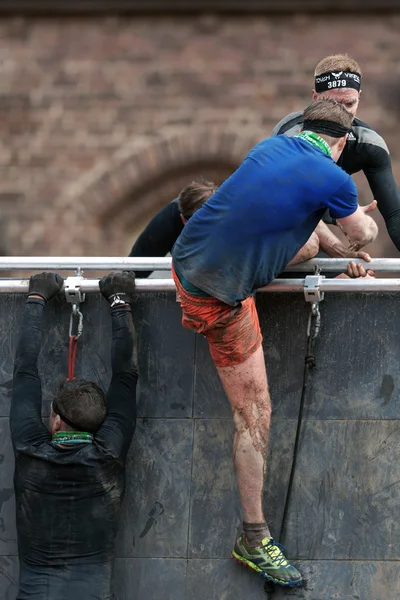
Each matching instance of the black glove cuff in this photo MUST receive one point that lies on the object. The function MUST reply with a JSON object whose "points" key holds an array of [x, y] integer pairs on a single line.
{"points": [[121, 307], [31, 300]]}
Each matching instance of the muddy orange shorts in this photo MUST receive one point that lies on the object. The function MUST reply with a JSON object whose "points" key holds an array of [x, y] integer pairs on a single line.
{"points": [[233, 332]]}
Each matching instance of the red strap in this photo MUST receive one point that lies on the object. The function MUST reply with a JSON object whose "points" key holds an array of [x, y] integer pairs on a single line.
{"points": [[72, 348]]}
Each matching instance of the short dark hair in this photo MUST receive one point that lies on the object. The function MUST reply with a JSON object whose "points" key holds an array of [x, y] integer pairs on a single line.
{"points": [[328, 109], [82, 403], [193, 196]]}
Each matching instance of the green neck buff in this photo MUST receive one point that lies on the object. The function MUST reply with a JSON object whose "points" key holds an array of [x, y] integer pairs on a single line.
{"points": [[71, 438], [315, 140]]}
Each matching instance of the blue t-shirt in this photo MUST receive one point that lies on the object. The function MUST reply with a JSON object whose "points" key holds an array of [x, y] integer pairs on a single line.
{"points": [[260, 217]]}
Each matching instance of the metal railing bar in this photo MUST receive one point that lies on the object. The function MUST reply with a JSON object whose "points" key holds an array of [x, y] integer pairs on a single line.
{"points": [[278, 285], [100, 263]]}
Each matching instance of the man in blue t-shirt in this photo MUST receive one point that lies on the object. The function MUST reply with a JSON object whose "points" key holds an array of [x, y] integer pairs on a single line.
{"points": [[238, 241]]}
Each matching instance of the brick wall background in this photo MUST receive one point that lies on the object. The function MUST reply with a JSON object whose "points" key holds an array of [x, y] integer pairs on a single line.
{"points": [[104, 119]]}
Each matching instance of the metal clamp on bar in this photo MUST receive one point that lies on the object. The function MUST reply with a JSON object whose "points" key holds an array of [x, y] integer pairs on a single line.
{"points": [[312, 292], [72, 289]]}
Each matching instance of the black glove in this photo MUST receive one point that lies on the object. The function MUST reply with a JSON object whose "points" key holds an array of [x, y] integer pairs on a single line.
{"points": [[46, 285], [118, 288]]}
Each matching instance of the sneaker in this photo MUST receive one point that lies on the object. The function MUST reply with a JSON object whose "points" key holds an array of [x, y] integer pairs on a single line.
{"points": [[268, 560]]}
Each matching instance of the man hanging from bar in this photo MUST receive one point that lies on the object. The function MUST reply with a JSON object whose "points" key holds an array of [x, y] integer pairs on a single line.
{"points": [[70, 477], [237, 242]]}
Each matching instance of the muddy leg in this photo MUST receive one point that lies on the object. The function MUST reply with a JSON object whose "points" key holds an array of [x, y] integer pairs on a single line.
{"points": [[246, 386]]}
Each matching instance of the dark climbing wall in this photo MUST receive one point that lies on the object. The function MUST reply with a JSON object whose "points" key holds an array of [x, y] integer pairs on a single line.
{"points": [[181, 510]]}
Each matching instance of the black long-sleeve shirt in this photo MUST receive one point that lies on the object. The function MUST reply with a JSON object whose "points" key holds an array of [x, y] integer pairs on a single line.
{"points": [[68, 499], [365, 150], [160, 234]]}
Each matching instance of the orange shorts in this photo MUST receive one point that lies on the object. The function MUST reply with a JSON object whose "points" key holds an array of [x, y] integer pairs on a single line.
{"points": [[233, 332]]}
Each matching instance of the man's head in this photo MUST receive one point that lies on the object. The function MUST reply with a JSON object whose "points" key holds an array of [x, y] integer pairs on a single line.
{"points": [[338, 77], [79, 406], [331, 121], [193, 196]]}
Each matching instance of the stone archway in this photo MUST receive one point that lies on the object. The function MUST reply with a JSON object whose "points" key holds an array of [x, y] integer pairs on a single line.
{"points": [[109, 206]]}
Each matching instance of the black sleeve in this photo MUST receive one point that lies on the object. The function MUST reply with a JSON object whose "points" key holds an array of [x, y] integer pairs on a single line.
{"points": [[328, 219], [26, 423], [385, 191], [160, 235], [117, 431]]}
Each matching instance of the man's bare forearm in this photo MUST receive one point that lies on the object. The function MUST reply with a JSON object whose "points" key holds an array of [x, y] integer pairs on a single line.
{"points": [[329, 243], [308, 251], [358, 227]]}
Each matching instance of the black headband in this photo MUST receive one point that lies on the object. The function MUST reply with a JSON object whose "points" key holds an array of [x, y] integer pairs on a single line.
{"points": [[64, 418], [333, 80], [326, 127]]}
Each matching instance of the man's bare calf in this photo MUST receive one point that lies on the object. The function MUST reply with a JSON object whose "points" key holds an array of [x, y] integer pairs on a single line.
{"points": [[246, 387]]}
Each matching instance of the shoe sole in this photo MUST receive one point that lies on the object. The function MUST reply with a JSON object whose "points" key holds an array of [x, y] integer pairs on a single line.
{"points": [[242, 561]]}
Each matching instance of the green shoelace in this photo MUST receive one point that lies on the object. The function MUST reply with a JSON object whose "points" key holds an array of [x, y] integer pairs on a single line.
{"points": [[315, 140], [71, 438], [275, 551]]}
